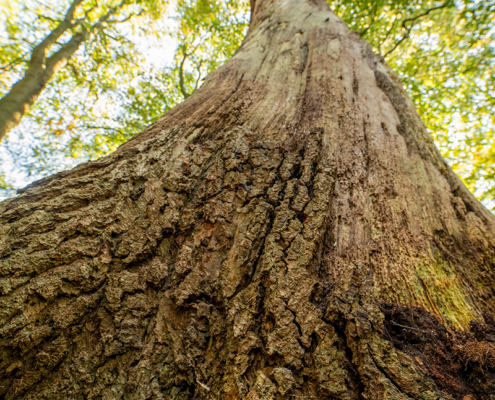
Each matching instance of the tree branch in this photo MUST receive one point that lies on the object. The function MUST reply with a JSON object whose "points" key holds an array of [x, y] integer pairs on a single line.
{"points": [[199, 76], [181, 76], [13, 63], [60, 58], [181, 71], [363, 32], [388, 33], [39, 52], [412, 19], [15, 104]]}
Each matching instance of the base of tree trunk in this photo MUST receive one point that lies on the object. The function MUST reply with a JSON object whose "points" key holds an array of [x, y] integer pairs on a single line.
{"points": [[460, 363]]}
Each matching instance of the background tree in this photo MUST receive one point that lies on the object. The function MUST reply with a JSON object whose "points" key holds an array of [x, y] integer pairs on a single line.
{"points": [[96, 34], [289, 230], [80, 23]]}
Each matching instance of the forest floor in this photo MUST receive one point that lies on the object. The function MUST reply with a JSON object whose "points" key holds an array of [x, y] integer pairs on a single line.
{"points": [[462, 364]]}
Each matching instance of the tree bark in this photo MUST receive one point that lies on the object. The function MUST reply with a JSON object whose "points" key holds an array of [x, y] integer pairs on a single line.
{"points": [[259, 241]]}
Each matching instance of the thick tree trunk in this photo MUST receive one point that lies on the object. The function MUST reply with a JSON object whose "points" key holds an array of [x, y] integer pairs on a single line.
{"points": [[289, 231]]}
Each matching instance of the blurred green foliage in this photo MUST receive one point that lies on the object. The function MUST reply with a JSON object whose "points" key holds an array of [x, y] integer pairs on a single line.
{"points": [[442, 50]]}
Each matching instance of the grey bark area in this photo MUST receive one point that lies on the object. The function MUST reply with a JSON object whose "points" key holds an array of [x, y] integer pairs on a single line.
{"points": [[246, 245]]}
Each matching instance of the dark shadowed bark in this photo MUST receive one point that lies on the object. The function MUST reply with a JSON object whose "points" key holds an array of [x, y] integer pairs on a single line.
{"points": [[290, 231]]}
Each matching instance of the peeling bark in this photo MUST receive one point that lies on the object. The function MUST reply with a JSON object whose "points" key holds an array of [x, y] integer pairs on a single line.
{"points": [[242, 246]]}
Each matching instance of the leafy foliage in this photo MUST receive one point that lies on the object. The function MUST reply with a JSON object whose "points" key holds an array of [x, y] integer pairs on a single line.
{"points": [[70, 120], [442, 50]]}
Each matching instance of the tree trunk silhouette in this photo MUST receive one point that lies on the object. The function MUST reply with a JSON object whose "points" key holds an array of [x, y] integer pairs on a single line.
{"points": [[288, 232]]}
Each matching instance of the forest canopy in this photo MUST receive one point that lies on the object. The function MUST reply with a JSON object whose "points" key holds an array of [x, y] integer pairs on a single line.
{"points": [[138, 59]]}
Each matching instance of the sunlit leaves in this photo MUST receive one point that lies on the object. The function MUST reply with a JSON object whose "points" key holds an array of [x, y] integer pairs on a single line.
{"points": [[71, 120], [208, 35]]}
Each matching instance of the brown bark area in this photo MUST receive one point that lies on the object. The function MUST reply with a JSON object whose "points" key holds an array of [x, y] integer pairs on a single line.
{"points": [[247, 244]]}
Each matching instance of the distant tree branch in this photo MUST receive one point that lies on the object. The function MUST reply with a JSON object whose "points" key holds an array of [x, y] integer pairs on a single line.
{"points": [[181, 75], [388, 33], [41, 16], [39, 52], [182, 87], [199, 76], [413, 19], [15, 104], [13, 63], [363, 32]]}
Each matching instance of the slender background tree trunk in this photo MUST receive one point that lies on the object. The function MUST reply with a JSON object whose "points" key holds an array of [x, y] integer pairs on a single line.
{"points": [[289, 231], [42, 68]]}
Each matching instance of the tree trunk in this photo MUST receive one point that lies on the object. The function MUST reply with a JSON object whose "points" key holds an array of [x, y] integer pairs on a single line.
{"points": [[22, 96], [289, 231]]}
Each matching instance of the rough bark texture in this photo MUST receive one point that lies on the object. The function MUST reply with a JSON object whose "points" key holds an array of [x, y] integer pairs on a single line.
{"points": [[289, 231]]}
